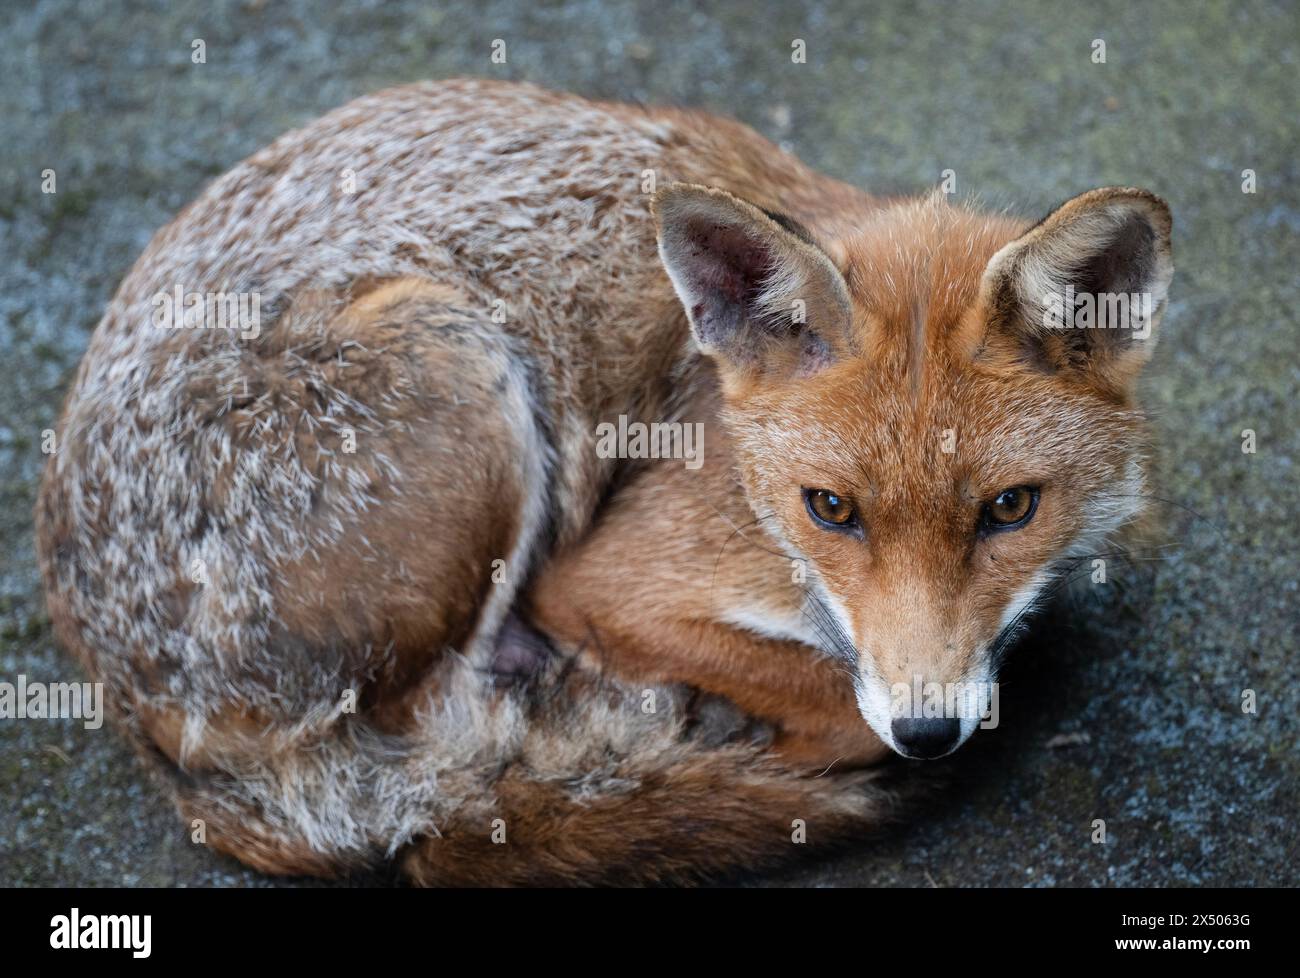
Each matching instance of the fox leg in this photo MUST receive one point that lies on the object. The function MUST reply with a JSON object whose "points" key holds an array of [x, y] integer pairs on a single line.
{"points": [[677, 582], [803, 694], [650, 619]]}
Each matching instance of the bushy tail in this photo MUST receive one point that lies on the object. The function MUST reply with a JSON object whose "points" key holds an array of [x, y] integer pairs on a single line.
{"points": [[582, 781]]}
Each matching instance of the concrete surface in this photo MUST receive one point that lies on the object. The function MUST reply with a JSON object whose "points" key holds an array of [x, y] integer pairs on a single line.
{"points": [[1151, 669]]}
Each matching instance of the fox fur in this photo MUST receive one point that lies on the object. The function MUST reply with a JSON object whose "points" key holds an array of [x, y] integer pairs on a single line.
{"points": [[363, 589]]}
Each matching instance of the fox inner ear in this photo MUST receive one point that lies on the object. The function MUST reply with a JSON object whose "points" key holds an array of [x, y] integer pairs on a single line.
{"points": [[762, 297], [1083, 292]]}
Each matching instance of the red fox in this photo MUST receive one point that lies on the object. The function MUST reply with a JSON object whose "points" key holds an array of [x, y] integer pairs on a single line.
{"points": [[369, 575]]}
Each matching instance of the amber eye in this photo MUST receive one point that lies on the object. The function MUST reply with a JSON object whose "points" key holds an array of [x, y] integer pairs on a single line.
{"points": [[830, 510], [1011, 508]]}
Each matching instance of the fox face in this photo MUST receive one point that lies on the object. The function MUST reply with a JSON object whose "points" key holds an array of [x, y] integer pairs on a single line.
{"points": [[931, 416]]}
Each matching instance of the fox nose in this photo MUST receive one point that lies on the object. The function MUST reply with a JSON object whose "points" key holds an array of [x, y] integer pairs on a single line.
{"points": [[925, 737]]}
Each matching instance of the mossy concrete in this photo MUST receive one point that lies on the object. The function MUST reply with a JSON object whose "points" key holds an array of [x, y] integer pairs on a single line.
{"points": [[1151, 668]]}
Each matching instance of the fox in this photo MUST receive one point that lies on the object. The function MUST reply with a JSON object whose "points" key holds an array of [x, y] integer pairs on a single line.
{"points": [[363, 591]]}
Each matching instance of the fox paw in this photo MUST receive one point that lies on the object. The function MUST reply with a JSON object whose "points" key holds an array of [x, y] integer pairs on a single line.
{"points": [[714, 721], [521, 652]]}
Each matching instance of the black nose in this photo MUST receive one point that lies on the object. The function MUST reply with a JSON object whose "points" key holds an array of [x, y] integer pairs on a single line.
{"points": [[926, 737]]}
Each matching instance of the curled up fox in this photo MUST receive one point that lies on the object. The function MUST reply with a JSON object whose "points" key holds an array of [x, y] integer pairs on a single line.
{"points": [[360, 583]]}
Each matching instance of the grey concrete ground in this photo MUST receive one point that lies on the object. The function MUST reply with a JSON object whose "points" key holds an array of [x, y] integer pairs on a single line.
{"points": [[1144, 678]]}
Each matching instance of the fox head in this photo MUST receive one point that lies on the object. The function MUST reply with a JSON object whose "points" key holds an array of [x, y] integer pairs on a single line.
{"points": [[933, 414]]}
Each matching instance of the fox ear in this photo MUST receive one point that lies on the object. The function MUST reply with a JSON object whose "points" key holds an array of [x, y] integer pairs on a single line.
{"points": [[762, 297], [1083, 291]]}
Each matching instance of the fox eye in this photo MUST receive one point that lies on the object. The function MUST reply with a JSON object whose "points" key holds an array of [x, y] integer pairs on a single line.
{"points": [[830, 509], [1011, 508]]}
